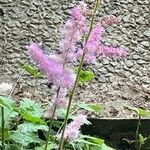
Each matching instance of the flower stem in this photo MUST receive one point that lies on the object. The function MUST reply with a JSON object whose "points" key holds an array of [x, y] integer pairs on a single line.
{"points": [[12, 91], [50, 127], [77, 78], [137, 134], [51, 122], [33, 92], [3, 124]]}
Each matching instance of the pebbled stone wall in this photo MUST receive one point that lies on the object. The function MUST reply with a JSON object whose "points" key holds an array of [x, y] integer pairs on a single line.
{"points": [[118, 81]]}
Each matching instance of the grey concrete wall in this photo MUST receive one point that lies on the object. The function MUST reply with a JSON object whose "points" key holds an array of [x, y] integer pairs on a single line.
{"points": [[118, 81]]}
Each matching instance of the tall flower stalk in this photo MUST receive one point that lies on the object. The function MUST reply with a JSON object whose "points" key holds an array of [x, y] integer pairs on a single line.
{"points": [[3, 123], [61, 144], [51, 122]]}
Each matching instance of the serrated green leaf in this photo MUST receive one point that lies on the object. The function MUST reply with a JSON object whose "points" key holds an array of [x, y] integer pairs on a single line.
{"points": [[86, 76], [50, 146], [31, 111], [24, 139], [87, 142], [32, 118], [96, 107], [94, 143], [6, 133], [3, 104], [9, 110], [31, 127], [92, 139], [33, 108], [32, 70], [91, 107]]}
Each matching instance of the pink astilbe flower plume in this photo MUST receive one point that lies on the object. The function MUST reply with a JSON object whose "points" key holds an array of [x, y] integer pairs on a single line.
{"points": [[53, 69], [72, 32], [72, 130], [92, 44], [94, 38], [94, 48], [111, 51]]}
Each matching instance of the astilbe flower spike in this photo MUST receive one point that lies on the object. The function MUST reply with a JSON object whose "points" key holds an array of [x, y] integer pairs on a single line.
{"points": [[111, 51], [72, 130], [72, 32], [54, 70], [95, 48], [92, 44]]}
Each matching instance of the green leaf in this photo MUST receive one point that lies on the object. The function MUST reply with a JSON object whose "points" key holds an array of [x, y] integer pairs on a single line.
{"points": [[31, 111], [139, 111], [32, 70], [144, 113], [92, 139], [13, 147], [24, 139], [94, 143], [32, 118], [50, 146], [61, 113], [105, 147], [6, 133], [86, 76], [142, 139], [91, 107], [96, 107], [33, 108], [31, 127], [9, 110], [3, 104], [87, 142]]}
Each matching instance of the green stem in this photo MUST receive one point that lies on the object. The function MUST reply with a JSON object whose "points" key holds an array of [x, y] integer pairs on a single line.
{"points": [[50, 127], [33, 93], [3, 125], [77, 78], [51, 122], [140, 146], [13, 89], [137, 133]]}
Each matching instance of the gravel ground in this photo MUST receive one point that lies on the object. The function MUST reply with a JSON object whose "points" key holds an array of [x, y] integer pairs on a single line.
{"points": [[117, 82]]}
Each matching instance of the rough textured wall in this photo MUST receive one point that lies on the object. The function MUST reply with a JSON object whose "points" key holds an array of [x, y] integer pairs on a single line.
{"points": [[118, 81]]}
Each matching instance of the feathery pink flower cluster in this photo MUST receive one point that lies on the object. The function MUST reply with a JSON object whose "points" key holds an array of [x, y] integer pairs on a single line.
{"points": [[111, 51], [72, 33], [77, 14], [73, 128], [93, 43], [94, 47], [53, 69]]}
